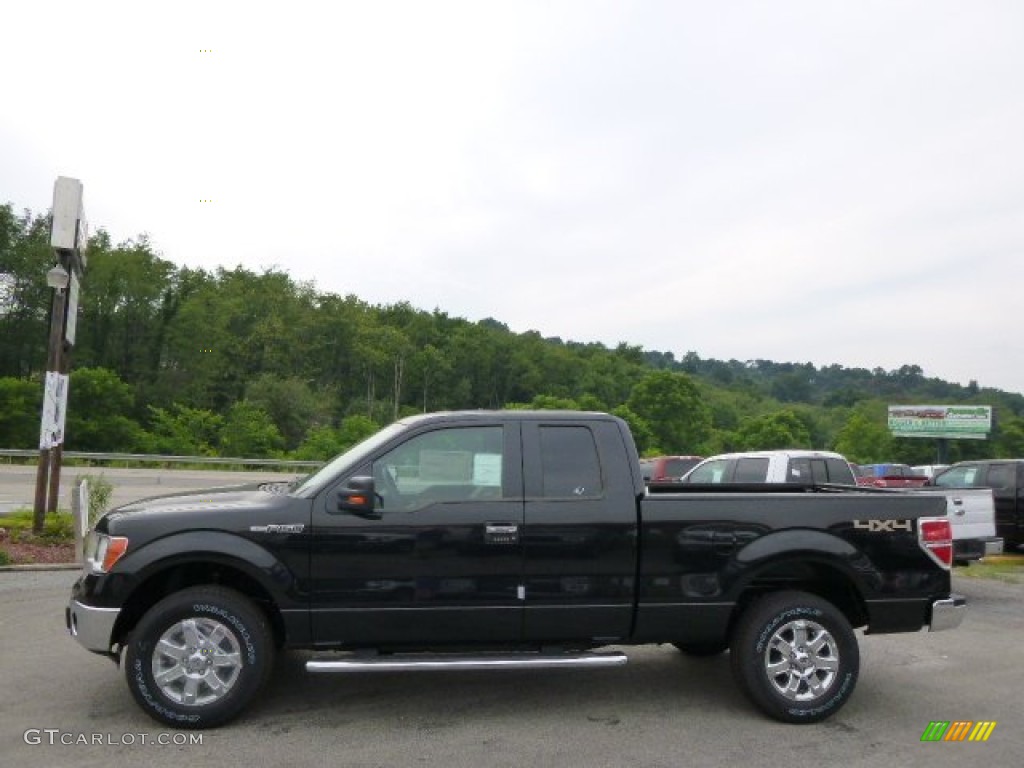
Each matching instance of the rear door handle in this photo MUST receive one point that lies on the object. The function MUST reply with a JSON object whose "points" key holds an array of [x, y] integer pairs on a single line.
{"points": [[723, 543]]}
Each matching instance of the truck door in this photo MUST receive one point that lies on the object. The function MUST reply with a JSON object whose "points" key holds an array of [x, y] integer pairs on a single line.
{"points": [[580, 532], [1001, 477], [440, 560]]}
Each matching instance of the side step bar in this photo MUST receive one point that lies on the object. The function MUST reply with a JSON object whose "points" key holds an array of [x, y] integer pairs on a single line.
{"points": [[446, 662]]}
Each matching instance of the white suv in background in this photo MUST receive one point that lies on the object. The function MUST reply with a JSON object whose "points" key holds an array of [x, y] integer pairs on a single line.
{"points": [[789, 466]]}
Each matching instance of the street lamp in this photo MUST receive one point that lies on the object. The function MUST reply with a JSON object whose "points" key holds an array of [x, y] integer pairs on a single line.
{"points": [[58, 278]]}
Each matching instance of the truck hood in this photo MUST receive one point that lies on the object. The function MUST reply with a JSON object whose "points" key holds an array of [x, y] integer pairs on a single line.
{"points": [[228, 508]]}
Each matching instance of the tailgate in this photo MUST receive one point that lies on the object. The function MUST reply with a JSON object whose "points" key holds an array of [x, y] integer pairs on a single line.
{"points": [[972, 512]]}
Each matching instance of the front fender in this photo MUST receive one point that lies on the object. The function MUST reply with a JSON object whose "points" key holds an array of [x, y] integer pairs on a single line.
{"points": [[197, 548]]}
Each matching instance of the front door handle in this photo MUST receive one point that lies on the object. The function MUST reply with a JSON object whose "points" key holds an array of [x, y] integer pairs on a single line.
{"points": [[501, 533]]}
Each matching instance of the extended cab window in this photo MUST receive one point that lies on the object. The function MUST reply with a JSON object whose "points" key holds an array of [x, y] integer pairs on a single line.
{"points": [[569, 463], [751, 470], [447, 465]]}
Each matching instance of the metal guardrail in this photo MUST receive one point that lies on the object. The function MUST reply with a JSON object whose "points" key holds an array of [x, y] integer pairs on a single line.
{"points": [[149, 458]]}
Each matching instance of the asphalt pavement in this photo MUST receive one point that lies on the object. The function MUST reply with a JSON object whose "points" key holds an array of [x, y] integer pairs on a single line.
{"points": [[63, 706], [17, 483]]}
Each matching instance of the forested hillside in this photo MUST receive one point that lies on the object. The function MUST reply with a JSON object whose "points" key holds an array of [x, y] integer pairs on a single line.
{"points": [[237, 363]]}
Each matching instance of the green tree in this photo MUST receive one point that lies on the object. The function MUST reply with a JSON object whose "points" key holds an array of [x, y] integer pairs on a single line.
{"points": [[643, 437], [25, 299], [126, 298], [672, 406], [355, 429], [321, 443], [1009, 437], [183, 431], [97, 403], [864, 440], [249, 433], [290, 403], [782, 429], [21, 402]]}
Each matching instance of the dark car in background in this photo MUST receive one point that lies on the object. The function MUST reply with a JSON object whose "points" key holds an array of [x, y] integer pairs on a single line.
{"points": [[1006, 479]]}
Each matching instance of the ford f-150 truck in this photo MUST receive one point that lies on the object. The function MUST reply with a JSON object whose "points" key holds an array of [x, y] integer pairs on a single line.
{"points": [[504, 539], [971, 511]]}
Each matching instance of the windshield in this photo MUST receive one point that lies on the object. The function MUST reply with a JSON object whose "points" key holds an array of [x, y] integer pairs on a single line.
{"points": [[352, 457]]}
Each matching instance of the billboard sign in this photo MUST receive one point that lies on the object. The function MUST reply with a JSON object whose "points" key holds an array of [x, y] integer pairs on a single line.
{"points": [[972, 422]]}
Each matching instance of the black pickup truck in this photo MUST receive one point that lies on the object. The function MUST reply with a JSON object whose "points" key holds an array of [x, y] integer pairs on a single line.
{"points": [[504, 539]]}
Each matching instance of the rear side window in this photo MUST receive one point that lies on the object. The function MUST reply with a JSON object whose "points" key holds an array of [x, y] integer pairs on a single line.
{"points": [[751, 470], [569, 463], [958, 477], [799, 471], [1000, 476], [839, 471]]}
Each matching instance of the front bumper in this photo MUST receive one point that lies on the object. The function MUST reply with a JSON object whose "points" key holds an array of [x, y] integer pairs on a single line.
{"points": [[948, 613], [90, 626]]}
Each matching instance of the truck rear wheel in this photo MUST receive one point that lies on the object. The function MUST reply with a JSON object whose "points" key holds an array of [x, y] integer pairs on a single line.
{"points": [[198, 657], [796, 657]]}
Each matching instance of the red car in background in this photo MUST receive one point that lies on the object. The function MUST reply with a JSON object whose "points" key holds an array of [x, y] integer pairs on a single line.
{"points": [[888, 476], [667, 469]]}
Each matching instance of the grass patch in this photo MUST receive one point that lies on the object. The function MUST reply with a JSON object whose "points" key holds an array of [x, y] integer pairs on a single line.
{"points": [[58, 526], [18, 545], [1005, 568]]}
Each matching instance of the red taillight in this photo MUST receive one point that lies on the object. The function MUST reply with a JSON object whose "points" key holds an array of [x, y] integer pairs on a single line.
{"points": [[935, 535]]}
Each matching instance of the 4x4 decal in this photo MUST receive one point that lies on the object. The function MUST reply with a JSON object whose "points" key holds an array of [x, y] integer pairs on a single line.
{"points": [[883, 526]]}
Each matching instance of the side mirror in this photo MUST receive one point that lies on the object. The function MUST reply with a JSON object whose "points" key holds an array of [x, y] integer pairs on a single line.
{"points": [[357, 497]]}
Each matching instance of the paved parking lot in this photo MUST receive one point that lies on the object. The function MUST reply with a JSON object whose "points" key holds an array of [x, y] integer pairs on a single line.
{"points": [[18, 482], [661, 709]]}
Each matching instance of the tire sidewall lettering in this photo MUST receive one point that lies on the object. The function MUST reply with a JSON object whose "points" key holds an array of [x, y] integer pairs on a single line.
{"points": [[238, 624], [837, 698], [142, 686]]}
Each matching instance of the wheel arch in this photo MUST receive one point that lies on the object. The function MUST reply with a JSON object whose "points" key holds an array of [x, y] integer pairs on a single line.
{"points": [[818, 573], [198, 558]]}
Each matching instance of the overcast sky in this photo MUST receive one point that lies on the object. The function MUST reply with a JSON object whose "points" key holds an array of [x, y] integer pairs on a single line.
{"points": [[825, 182]]}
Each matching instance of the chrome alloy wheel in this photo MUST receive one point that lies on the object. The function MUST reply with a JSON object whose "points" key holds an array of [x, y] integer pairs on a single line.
{"points": [[801, 660], [197, 661]]}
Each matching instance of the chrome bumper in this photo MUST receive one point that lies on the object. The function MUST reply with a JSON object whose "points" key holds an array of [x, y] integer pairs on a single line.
{"points": [[993, 546], [948, 613], [90, 626]]}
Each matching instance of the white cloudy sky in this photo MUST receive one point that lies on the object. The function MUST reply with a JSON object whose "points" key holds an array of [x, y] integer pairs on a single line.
{"points": [[832, 182]]}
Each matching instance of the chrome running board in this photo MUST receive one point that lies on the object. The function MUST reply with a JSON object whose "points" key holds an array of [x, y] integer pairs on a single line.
{"points": [[447, 662]]}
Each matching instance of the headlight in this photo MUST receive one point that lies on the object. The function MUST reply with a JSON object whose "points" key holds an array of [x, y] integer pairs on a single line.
{"points": [[102, 551]]}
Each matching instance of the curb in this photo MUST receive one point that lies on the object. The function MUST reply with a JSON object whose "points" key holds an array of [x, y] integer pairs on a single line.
{"points": [[41, 567]]}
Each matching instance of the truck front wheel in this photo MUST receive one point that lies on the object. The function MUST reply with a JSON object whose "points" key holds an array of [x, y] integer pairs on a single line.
{"points": [[795, 656], [198, 657]]}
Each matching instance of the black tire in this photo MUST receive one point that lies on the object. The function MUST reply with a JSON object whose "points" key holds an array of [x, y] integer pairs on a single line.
{"points": [[209, 644], [807, 682], [702, 649]]}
